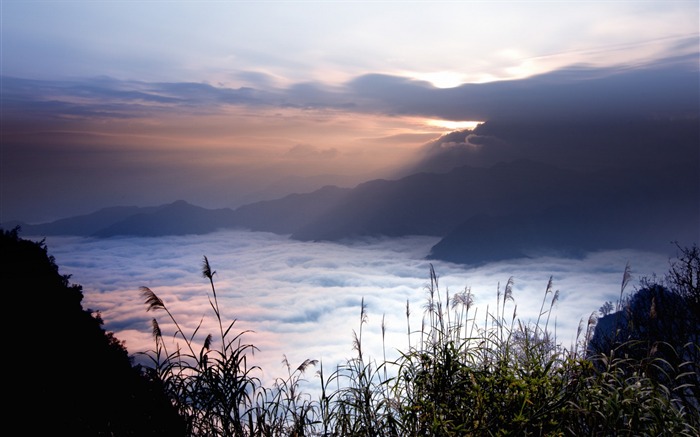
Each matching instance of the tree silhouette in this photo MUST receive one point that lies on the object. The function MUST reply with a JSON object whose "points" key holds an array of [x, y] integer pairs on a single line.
{"points": [[69, 375], [659, 327]]}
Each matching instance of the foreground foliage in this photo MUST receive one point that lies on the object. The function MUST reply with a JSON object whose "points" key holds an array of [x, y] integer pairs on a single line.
{"points": [[635, 369], [78, 380], [464, 373]]}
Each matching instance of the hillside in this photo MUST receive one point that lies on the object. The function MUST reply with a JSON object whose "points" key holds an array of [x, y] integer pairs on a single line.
{"points": [[67, 361]]}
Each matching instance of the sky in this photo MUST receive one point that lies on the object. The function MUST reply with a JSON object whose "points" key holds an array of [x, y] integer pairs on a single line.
{"points": [[219, 103], [302, 300]]}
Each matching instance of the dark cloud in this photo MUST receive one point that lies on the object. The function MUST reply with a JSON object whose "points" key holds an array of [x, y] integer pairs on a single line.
{"points": [[105, 97], [669, 88], [666, 88], [202, 94], [665, 145], [458, 148]]}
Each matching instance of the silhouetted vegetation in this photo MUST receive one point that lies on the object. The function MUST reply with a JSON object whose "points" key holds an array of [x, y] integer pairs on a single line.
{"points": [[465, 372], [70, 376], [657, 331], [462, 374]]}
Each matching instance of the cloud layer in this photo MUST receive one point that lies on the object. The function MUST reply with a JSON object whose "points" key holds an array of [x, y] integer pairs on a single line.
{"points": [[302, 300]]}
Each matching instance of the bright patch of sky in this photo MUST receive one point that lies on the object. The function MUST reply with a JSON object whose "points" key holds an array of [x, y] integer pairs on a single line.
{"points": [[453, 125], [285, 42]]}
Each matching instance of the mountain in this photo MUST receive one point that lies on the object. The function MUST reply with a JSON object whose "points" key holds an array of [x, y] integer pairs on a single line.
{"points": [[84, 225], [296, 184], [508, 210], [289, 213], [621, 209], [177, 218], [281, 216], [567, 231], [436, 203]]}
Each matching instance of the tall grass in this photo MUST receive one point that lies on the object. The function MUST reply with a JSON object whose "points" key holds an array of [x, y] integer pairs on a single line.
{"points": [[214, 389], [473, 376], [464, 373]]}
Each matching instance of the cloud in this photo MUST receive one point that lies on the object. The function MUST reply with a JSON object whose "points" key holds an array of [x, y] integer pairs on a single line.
{"points": [[665, 147], [335, 40], [155, 142], [307, 151], [666, 87], [255, 79], [303, 300], [105, 98], [457, 148]]}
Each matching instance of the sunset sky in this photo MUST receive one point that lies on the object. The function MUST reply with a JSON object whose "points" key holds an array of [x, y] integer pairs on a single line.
{"points": [[222, 103], [142, 103]]}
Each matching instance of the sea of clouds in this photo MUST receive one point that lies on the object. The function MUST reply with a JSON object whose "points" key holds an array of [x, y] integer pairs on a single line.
{"points": [[302, 300]]}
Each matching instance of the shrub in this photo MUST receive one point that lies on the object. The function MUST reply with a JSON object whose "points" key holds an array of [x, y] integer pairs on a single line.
{"points": [[655, 336]]}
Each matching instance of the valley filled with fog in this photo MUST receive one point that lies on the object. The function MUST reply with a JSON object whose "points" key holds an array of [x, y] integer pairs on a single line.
{"points": [[303, 299]]}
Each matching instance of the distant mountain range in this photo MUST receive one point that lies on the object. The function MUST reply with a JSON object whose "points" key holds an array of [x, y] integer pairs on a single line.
{"points": [[509, 210]]}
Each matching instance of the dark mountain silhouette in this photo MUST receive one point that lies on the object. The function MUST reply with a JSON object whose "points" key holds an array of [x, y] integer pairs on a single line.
{"points": [[435, 203], [568, 231], [84, 224], [292, 212], [65, 364], [282, 216], [296, 184], [177, 218], [632, 208], [511, 209], [484, 238]]}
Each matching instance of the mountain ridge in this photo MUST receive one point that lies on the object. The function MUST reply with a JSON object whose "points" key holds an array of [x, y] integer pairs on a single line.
{"points": [[508, 210]]}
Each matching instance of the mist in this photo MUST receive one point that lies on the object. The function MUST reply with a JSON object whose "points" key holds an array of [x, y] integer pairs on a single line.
{"points": [[303, 299]]}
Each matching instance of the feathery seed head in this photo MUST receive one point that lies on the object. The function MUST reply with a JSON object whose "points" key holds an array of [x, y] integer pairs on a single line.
{"points": [[156, 329], [508, 292], [207, 342], [307, 362], [207, 272], [153, 302], [555, 298]]}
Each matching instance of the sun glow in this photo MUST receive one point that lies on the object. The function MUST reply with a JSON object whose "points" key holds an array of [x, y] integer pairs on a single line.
{"points": [[454, 125], [442, 79]]}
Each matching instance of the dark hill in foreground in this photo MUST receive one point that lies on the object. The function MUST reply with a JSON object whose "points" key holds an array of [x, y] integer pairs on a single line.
{"points": [[67, 362]]}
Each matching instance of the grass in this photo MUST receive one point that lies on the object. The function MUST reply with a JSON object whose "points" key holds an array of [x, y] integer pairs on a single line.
{"points": [[462, 374]]}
